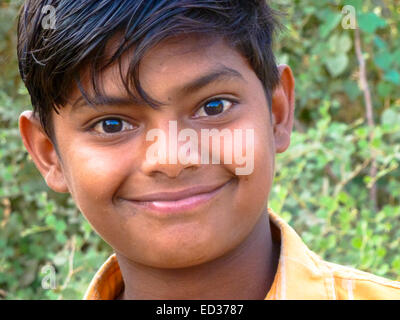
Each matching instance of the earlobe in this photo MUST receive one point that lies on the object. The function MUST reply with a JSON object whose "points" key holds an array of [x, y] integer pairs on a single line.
{"points": [[42, 151], [283, 109]]}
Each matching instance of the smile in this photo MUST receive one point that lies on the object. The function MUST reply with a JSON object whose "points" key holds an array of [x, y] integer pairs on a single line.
{"points": [[187, 200]]}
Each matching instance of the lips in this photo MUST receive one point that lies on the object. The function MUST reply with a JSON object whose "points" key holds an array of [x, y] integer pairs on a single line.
{"points": [[184, 200]]}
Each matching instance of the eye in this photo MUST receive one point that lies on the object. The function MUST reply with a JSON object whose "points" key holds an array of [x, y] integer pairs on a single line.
{"points": [[110, 126], [214, 108]]}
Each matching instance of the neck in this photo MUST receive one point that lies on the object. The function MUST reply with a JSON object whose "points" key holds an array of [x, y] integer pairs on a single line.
{"points": [[247, 272]]}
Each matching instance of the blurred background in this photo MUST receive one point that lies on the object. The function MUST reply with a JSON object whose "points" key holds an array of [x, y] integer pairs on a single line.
{"points": [[338, 184]]}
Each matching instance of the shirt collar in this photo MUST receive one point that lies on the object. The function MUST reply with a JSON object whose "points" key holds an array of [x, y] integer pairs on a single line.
{"points": [[299, 274]]}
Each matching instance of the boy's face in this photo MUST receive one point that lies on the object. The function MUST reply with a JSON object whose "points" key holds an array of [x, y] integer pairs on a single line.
{"points": [[169, 215]]}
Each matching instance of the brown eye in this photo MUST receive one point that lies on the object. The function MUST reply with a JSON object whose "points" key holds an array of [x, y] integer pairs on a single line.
{"points": [[110, 126], [214, 108]]}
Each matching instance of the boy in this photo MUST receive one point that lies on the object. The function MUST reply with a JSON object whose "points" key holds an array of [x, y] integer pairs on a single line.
{"points": [[112, 84]]}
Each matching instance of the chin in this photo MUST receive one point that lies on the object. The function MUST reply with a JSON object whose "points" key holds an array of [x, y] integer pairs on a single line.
{"points": [[180, 257]]}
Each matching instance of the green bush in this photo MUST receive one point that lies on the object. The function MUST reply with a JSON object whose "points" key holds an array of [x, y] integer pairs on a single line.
{"points": [[321, 184], [37, 226]]}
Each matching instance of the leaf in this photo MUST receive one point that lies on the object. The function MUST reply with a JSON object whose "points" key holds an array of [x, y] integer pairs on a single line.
{"points": [[352, 89], [393, 76], [357, 4], [384, 60], [369, 22], [345, 43], [356, 242], [396, 264], [337, 64], [380, 43], [396, 57], [384, 89], [339, 43], [60, 226], [390, 117], [331, 21]]}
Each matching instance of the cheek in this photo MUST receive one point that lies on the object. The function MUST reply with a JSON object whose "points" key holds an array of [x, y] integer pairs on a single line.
{"points": [[94, 175], [255, 187], [255, 184], [251, 150]]}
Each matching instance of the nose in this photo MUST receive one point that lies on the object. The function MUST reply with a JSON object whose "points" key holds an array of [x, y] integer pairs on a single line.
{"points": [[168, 153]]}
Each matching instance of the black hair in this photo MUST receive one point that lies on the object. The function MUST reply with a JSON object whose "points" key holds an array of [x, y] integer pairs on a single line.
{"points": [[51, 60]]}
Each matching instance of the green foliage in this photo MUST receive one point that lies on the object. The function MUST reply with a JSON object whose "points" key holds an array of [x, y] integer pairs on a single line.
{"points": [[321, 184], [322, 181], [37, 227]]}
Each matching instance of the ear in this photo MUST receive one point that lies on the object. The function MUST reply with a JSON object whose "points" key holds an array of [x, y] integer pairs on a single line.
{"points": [[42, 151], [283, 109]]}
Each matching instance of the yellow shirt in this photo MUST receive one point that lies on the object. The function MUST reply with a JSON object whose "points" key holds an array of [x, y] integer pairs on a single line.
{"points": [[301, 274]]}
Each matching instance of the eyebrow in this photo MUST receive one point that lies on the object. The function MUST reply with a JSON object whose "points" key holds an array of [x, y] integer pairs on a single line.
{"points": [[219, 74]]}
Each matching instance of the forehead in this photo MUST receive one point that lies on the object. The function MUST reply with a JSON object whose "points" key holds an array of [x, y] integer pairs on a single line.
{"points": [[180, 61], [190, 52], [168, 66]]}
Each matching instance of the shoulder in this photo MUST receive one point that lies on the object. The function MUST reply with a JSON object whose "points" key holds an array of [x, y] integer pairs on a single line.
{"points": [[303, 274], [350, 283]]}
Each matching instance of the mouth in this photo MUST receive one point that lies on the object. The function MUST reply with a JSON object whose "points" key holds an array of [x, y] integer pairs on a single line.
{"points": [[182, 201]]}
